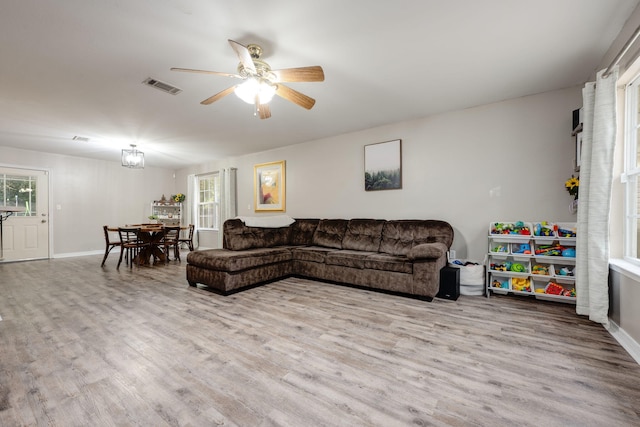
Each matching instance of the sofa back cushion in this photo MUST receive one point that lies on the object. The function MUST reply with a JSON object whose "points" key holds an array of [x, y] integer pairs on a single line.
{"points": [[391, 237], [363, 235], [271, 237], [398, 237], [238, 237], [302, 231], [330, 233]]}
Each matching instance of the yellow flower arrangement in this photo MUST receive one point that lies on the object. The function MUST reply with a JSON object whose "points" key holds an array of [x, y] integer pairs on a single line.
{"points": [[573, 185], [178, 198]]}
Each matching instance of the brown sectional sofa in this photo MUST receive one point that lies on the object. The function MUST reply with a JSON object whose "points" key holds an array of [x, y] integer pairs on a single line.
{"points": [[402, 256]]}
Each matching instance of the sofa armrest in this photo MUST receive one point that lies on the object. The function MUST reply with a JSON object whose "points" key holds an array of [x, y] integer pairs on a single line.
{"points": [[428, 251]]}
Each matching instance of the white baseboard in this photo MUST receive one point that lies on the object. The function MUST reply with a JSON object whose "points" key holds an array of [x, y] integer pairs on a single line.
{"points": [[625, 340], [88, 253], [74, 254]]}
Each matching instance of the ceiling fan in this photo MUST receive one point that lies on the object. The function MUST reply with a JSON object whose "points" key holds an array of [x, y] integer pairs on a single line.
{"points": [[261, 83]]}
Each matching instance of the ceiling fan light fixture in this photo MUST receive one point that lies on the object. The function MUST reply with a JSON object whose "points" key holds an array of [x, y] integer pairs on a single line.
{"points": [[260, 83], [253, 87], [132, 158]]}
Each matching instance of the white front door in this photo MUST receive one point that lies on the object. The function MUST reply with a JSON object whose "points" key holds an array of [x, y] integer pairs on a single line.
{"points": [[25, 235]]}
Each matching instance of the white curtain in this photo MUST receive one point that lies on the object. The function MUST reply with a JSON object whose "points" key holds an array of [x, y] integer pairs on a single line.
{"points": [[190, 209], [596, 176], [228, 203]]}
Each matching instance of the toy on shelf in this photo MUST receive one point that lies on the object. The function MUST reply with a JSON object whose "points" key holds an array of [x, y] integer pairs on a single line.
{"points": [[549, 250], [553, 288], [500, 249], [516, 267], [563, 232], [499, 267], [524, 248], [540, 269], [520, 284], [545, 229], [566, 271], [517, 227], [556, 250], [499, 284]]}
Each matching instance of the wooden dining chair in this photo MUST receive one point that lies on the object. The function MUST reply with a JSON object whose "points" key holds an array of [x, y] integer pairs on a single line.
{"points": [[171, 240], [189, 239], [131, 244], [110, 244]]}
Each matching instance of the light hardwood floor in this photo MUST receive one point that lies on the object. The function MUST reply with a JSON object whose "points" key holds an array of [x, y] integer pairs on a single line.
{"points": [[81, 345]]}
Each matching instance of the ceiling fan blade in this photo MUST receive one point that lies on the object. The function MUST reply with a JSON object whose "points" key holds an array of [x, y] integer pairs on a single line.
{"points": [[218, 95], [295, 96], [264, 111], [301, 74], [243, 55], [189, 70]]}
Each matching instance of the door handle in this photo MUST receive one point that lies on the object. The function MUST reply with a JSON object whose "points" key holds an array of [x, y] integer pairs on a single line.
{"points": [[43, 221]]}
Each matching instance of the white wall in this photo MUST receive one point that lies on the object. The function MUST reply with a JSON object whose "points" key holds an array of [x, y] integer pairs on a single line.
{"points": [[90, 194], [521, 147], [624, 313], [451, 162]]}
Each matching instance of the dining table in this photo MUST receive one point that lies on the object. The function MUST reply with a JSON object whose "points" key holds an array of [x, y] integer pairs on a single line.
{"points": [[151, 234]]}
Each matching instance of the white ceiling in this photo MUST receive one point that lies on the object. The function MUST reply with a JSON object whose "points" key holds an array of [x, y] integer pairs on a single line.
{"points": [[74, 67]]}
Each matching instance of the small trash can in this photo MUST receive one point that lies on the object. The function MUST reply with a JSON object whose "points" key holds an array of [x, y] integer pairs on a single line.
{"points": [[471, 276]]}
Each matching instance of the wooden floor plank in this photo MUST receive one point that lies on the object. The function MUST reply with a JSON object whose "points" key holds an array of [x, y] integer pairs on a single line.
{"points": [[84, 345]]}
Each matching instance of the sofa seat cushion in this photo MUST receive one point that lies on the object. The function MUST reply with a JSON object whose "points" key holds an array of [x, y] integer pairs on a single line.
{"points": [[231, 261], [311, 253], [347, 258], [386, 262]]}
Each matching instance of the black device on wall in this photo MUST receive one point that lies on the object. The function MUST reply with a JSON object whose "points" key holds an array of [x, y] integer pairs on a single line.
{"points": [[449, 283], [577, 118]]}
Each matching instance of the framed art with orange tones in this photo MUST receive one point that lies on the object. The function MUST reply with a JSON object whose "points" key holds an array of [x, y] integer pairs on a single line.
{"points": [[269, 187]]}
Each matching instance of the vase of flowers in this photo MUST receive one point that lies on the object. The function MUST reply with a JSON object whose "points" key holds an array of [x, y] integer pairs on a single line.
{"points": [[573, 185], [178, 198]]}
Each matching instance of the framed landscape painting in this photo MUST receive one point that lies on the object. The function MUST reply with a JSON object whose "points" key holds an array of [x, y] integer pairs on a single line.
{"points": [[383, 166], [269, 187]]}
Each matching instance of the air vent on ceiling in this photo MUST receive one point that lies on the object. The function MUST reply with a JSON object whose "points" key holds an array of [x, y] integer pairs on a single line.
{"points": [[80, 138], [165, 87]]}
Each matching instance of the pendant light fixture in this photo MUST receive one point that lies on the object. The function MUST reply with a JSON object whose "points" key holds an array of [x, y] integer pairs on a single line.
{"points": [[132, 158]]}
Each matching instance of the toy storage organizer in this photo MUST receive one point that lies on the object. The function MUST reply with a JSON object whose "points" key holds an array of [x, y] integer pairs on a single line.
{"points": [[532, 258]]}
